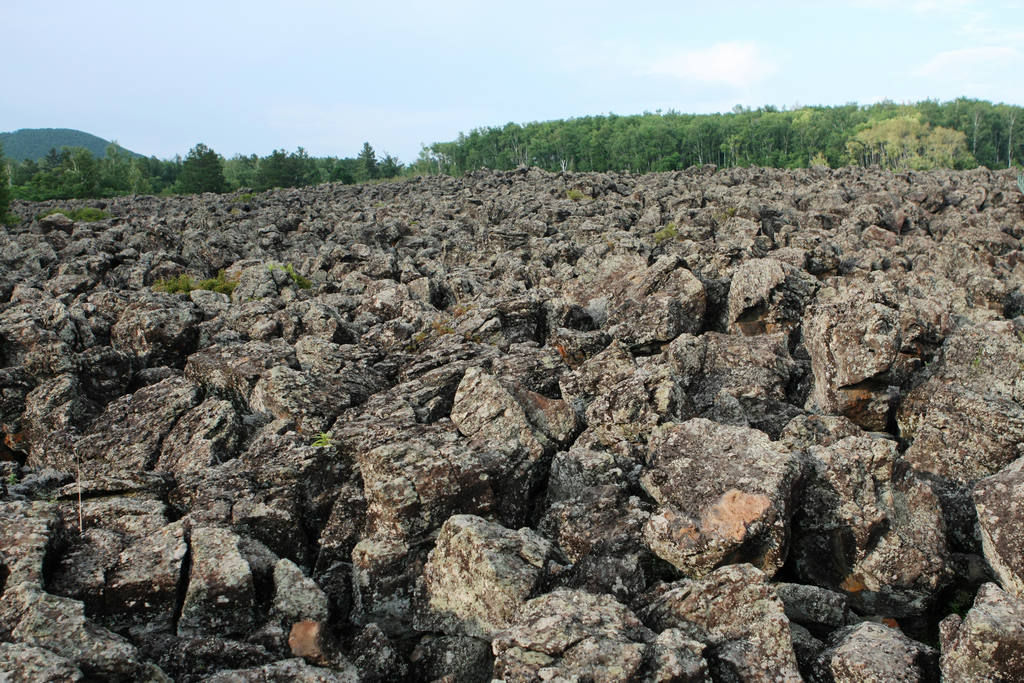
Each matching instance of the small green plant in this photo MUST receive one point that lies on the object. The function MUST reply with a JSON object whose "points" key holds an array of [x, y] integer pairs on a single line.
{"points": [[221, 283], [12, 479], [183, 284], [245, 197], [576, 195], [1020, 182], [179, 284], [323, 440], [300, 281], [724, 214], [85, 214], [667, 233]]}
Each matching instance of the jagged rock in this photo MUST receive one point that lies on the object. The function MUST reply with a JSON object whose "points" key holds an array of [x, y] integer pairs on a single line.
{"points": [[736, 613], [158, 331], [571, 633], [129, 433], [57, 624], [865, 527], [208, 435], [311, 401], [999, 500], [675, 657], [479, 575], [297, 597], [738, 380], [459, 658], [487, 345], [988, 643], [873, 652], [818, 609], [231, 372], [966, 421], [768, 296], [26, 536], [142, 585], [220, 596], [853, 343], [288, 670], [20, 663], [376, 657], [724, 495]]}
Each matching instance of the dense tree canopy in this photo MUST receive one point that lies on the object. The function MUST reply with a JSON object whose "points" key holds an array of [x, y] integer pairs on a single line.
{"points": [[744, 137], [959, 134], [202, 171]]}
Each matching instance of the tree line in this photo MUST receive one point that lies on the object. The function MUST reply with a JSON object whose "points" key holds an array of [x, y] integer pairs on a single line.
{"points": [[962, 133], [75, 172]]}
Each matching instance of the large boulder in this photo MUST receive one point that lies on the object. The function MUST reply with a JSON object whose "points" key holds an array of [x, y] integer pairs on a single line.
{"points": [[479, 575], [736, 613], [867, 527], [999, 500], [988, 643], [569, 633], [724, 496]]}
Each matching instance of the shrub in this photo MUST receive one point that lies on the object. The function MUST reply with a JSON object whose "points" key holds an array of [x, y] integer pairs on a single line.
{"points": [[576, 195], [179, 284], [183, 284], [300, 281], [86, 214], [667, 233]]}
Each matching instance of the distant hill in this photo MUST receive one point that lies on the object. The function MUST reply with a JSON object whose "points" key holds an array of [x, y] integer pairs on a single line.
{"points": [[34, 143]]}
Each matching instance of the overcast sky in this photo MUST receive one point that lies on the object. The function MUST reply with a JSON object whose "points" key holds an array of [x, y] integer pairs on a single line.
{"points": [[251, 77]]}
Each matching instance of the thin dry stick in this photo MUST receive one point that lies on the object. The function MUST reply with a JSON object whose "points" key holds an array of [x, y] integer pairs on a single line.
{"points": [[78, 480]]}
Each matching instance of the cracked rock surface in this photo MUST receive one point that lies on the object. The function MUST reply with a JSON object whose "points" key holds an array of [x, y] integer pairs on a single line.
{"points": [[506, 434]]}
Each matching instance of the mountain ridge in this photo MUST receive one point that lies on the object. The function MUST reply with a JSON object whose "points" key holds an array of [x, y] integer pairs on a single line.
{"points": [[35, 143]]}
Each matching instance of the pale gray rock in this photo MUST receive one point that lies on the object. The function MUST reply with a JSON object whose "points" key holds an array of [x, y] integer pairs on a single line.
{"points": [[988, 643], [20, 663], [220, 596], [736, 613], [569, 633], [296, 596], [873, 652], [479, 575], [999, 500]]}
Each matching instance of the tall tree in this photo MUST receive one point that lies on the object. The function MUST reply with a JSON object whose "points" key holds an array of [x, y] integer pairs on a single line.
{"points": [[202, 171], [368, 168], [5, 190]]}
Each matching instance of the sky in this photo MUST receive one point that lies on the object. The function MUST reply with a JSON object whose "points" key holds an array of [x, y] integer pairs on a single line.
{"points": [[251, 77]]}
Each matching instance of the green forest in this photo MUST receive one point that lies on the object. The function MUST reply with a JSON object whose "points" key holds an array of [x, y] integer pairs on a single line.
{"points": [[962, 133]]}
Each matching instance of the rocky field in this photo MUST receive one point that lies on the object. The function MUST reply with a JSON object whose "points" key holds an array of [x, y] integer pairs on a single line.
{"points": [[735, 425]]}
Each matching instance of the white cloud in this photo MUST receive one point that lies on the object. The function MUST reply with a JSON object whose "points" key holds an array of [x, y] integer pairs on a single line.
{"points": [[968, 61], [732, 63]]}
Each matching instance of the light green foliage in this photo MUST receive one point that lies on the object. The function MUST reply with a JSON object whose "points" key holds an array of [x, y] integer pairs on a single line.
{"points": [[179, 284], [669, 232], [1020, 182], [86, 214], [576, 195], [905, 142], [12, 479], [323, 440], [183, 284], [300, 281]]}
